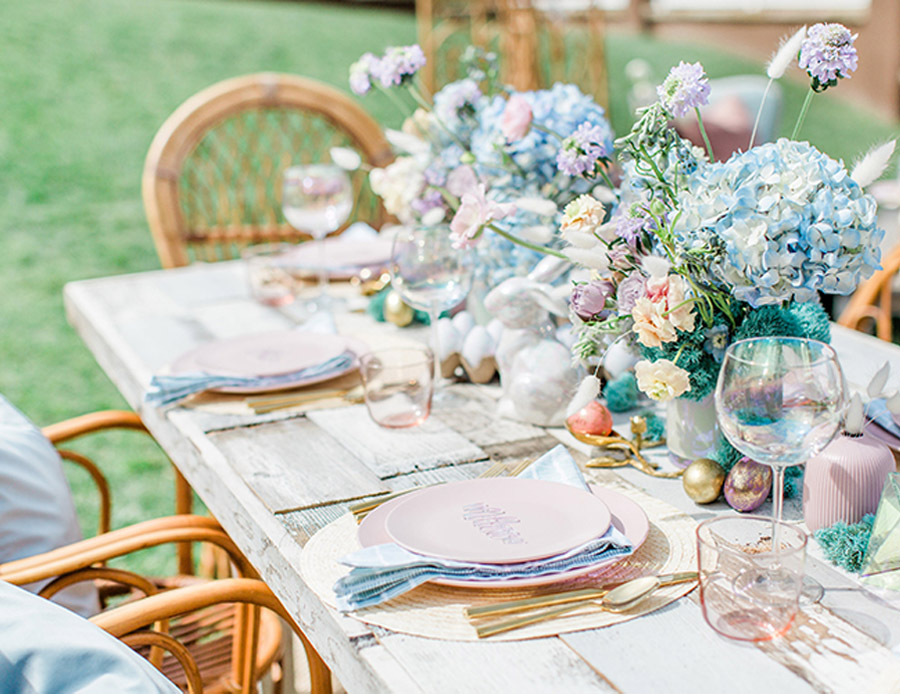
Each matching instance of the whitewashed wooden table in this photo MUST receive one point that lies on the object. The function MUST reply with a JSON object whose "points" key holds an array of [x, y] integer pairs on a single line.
{"points": [[273, 481]]}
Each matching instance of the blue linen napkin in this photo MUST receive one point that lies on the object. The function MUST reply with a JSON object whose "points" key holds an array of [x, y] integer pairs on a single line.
{"points": [[877, 411], [165, 390], [382, 572]]}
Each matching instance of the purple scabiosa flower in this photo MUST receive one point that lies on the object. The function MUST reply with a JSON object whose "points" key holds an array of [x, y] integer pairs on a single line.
{"points": [[589, 300], [629, 228], [428, 201], [456, 101], [435, 176], [399, 64], [581, 151], [685, 89], [361, 73], [827, 54]]}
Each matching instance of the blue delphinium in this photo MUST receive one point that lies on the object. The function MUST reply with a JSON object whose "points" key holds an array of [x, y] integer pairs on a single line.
{"points": [[780, 222]]}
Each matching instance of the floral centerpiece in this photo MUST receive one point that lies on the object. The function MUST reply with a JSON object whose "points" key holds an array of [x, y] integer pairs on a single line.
{"points": [[696, 253], [481, 156]]}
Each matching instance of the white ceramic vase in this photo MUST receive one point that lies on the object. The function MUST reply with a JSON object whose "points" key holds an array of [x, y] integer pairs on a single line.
{"points": [[691, 429]]}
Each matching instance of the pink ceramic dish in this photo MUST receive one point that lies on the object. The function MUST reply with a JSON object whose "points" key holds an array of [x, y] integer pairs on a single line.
{"points": [[269, 354], [497, 521], [626, 516]]}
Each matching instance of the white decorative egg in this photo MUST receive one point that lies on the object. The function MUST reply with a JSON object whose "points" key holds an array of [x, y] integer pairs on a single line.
{"points": [[477, 345], [463, 322], [495, 328], [449, 337]]}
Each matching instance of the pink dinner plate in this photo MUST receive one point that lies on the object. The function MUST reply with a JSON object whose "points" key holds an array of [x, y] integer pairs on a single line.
{"points": [[497, 521], [269, 354], [626, 516]]}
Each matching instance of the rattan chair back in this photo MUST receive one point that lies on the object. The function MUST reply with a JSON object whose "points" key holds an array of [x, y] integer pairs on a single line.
{"points": [[212, 178]]}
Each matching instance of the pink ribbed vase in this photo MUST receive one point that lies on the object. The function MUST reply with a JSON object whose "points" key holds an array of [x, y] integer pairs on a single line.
{"points": [[844, 482]]}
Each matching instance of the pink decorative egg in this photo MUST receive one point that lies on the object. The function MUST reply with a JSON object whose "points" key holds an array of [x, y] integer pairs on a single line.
{"points": [[592, 419], [747, 485]]}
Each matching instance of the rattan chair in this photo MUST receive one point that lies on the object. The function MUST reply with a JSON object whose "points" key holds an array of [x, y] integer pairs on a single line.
{"points": [[872, 301], [539, 42], [217, 637], [228, 648], [212, 177]]}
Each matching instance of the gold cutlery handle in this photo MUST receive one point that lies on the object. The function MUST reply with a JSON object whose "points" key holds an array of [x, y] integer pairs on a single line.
{"points": [[486, 630], [503, 625], [569, 596]]}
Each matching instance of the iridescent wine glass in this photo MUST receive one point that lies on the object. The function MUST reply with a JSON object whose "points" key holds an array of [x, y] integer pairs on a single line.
{"points": [[431, 274], [317, 199], [779, 401]]}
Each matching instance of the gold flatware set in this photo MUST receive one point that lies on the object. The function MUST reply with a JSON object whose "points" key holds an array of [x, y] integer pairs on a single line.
{"points": [[614, 598]]}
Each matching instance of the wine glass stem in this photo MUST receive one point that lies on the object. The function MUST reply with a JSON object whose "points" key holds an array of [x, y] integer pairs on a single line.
{"points": [[323, 270], [433, 317], [777, 506]]}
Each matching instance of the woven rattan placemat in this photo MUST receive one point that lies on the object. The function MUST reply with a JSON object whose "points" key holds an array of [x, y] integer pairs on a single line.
{"points": [[437, 611]]}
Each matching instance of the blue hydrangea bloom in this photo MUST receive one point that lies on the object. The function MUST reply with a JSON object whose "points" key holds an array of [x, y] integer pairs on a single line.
{"points": [[782, 221], [561, 110]]}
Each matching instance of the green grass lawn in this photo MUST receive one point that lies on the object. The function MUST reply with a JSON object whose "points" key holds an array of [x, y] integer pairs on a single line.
{"points": [[84, 85]]}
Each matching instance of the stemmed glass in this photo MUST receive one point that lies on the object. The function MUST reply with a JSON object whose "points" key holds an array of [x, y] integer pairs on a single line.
{"points": [[317, 199], [779, 400], [430, 274]]}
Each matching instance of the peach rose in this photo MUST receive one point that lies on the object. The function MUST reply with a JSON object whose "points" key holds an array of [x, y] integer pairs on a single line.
{"points": [[651, 326]]}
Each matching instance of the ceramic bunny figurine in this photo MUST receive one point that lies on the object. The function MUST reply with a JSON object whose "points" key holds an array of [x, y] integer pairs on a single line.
{"points": [[536, 370]]}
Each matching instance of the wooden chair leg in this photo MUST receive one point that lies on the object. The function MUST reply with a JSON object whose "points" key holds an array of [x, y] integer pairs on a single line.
{"points": [[319, 674], [184, 503]]}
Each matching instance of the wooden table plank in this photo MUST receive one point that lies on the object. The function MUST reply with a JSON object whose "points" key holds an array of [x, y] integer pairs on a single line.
{"points": [[283, 462], [390, 452], [536, 666], [677, 646]]}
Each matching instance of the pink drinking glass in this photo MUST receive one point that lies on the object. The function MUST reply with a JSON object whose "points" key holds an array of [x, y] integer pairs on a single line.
{"points": [[748, 591], [398, 385]]}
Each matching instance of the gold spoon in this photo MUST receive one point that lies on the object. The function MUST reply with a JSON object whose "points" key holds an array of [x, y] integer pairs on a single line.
{"points": [[619, 599]]}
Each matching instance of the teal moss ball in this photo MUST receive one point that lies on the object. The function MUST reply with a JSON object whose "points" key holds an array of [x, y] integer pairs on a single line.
{"points": [[656, 426], [622, 393]]}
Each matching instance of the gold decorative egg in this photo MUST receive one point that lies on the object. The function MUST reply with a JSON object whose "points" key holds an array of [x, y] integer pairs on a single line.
{"points": [[396, 310], [703, 480]]}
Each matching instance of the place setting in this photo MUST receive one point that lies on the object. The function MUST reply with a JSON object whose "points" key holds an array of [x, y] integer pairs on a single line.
{"points": [[446, 560], [259, 374]]}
